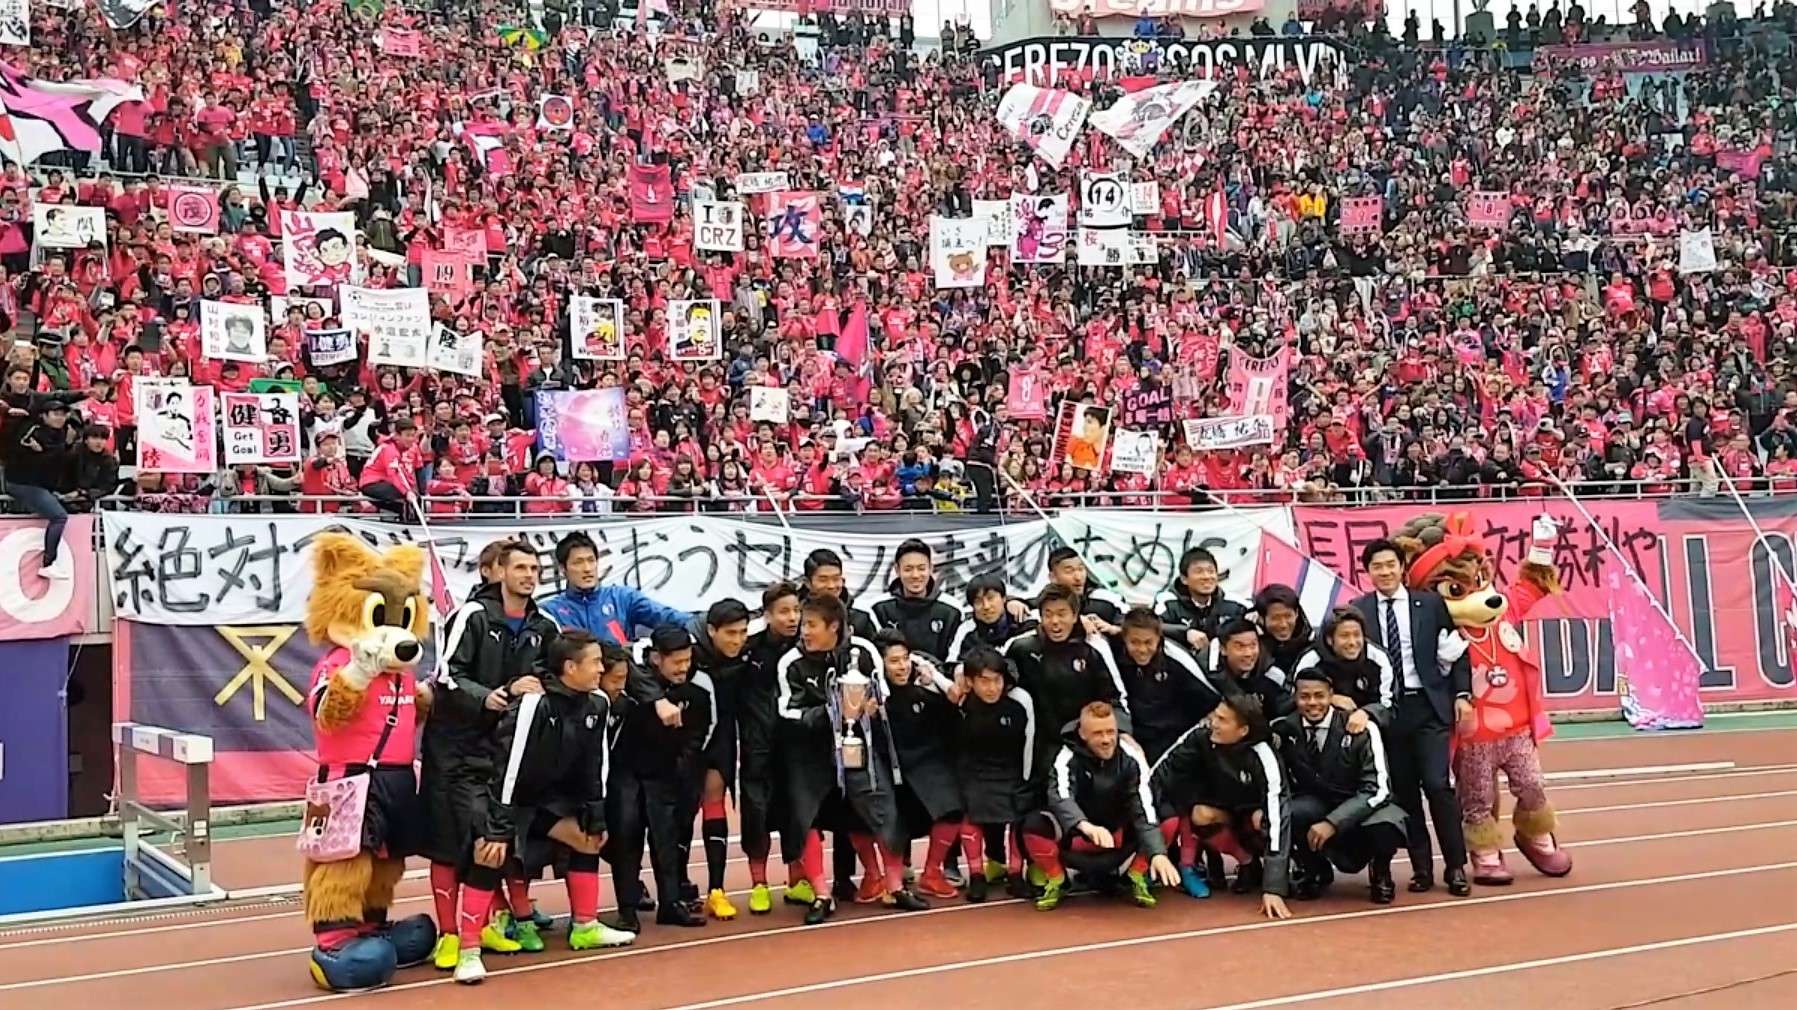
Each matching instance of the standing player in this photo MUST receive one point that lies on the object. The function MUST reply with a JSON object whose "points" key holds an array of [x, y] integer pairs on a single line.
{"points": [[759, 790], [500, 652], [658, 757], [994, 754]]}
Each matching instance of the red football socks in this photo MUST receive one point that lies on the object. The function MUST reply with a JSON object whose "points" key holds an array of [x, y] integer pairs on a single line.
{"points": [[583, 894], [446, 888]]}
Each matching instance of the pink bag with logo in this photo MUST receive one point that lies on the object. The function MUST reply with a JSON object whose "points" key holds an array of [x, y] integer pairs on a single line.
{"points": [[332, 829]]}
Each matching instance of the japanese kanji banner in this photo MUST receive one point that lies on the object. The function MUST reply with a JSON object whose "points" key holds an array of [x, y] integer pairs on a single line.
{"points": [[396, 321], [233, 331], [750, 183], [460, 353], [64, 226], [330, 347], [596, 328], [795, 224], [1229, 432], [177, 431], [261, 428], [193, 209], [318, 250], [241, 570]]}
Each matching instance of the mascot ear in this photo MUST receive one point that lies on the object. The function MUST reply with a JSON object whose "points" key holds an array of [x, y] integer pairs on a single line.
{"points": [[407, 560], [334, 553]]}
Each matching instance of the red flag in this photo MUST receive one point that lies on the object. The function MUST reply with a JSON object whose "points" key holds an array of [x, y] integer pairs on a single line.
{"points": [[852, 349], [651, 194], [1216, 214]]}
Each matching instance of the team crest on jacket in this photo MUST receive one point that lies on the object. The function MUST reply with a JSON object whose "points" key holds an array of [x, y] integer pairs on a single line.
{"points": [[1004, 720], [1079, 666], [935, 625], [1160, 676], [917, 708], [592, 720], [1509, 636]]}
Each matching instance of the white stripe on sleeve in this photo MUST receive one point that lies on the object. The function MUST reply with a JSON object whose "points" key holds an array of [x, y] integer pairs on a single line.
{"points": [[784, 685], [702, 680], [1388, 676], [1269, 763], [1378, 745], [1103, 648], [527, 713], [1023, 698]]}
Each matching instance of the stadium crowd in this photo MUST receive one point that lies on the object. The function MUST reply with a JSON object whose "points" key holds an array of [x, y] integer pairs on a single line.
{"points": [[1427, 356]]}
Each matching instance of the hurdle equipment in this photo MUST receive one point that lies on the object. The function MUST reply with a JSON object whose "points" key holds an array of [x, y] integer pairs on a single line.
{"points": [[150, 872]]}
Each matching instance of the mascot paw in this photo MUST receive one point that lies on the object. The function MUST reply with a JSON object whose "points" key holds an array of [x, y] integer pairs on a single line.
{"points": [[413, 939], [1544, 854], [359, 965]]}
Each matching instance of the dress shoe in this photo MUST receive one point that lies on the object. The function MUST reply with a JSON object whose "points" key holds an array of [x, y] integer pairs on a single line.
{"points": [[1421, 882], [905, 900], [1458, 885], [1247, 878], [1381, 888], [626, 919], [675, 913], [821, 909]]}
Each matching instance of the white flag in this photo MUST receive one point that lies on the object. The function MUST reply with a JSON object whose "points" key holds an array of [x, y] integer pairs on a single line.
{"points": [[1044, 118], [1139, 120]]}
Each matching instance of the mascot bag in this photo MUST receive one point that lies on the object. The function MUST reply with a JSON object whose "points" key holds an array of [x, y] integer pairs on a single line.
{"points": [[1509, 721], [367, 705]]}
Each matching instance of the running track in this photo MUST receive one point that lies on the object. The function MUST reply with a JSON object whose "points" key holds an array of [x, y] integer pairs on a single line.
{"points": [[1684, 896]]}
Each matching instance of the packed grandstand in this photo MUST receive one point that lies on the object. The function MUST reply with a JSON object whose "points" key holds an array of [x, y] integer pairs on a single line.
{"points": [[577, 260]]}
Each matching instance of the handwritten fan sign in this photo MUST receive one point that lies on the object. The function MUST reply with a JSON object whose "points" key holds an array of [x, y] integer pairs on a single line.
{"points": [[1230, 432], [763, 182]]}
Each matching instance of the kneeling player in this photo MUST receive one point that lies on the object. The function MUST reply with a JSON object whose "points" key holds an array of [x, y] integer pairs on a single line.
{"points": [[547, 808], [1224, 775], [1342, 813], [1100, 814]]}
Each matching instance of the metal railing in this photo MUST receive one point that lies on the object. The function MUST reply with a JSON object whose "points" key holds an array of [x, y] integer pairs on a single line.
{"points": [[526, 506]]}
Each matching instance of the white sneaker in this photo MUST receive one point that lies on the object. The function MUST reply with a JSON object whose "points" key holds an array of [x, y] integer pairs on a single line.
{"points": [[468, 967], [609, 937], [61, 570]]}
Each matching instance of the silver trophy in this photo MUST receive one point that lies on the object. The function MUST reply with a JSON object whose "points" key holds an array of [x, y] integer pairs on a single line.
{"points": [[852, 689]]}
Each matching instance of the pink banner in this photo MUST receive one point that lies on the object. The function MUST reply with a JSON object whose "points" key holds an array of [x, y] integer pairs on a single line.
{"points": [[1658, 676], [1488, 210], [651, 194], [1259, 385], [402, 42], [1743, 163], [1362, 213], [1154, 8], [1337, 536], [1028, 399], [32, 606]]}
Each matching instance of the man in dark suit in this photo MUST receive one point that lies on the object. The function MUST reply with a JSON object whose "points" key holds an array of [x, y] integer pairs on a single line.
{"points": [[1342, 814], [1433, 695]]}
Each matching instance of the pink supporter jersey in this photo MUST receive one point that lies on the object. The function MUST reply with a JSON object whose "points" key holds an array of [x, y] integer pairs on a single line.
{"points": [[354, 744]]}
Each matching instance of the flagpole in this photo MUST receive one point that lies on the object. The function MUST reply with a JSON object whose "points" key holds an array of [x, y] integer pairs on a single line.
{"points": [[1759, 533], [1627, 565], [1036, 507], [438, 570]]}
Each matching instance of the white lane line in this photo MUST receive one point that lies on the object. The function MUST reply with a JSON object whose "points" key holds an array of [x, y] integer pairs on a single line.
{"points": [[1731, 798], [1627, 772], [156, 969], [1504, 969], [132, 926], [1739, 773], [1142, 941]]}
